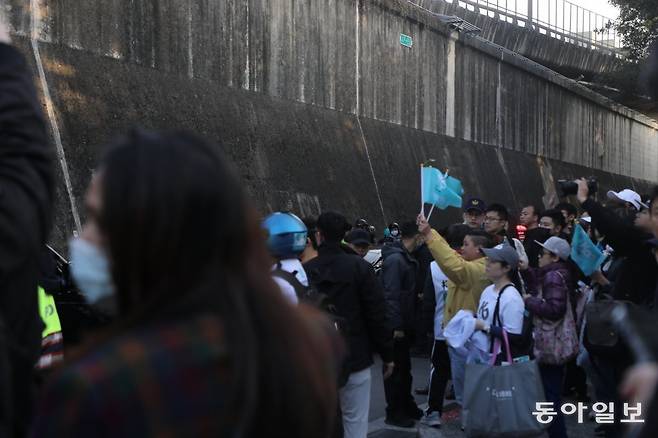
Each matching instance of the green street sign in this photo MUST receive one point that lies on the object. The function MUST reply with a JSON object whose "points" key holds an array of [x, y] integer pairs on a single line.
{"points": [[406, 40]]}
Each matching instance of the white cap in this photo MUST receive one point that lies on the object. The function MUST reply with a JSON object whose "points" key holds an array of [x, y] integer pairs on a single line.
{"points": [[586, 219], [628, 195], [557, 246]]}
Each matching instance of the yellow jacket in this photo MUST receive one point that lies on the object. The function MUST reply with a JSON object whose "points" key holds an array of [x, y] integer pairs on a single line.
{"points": [[466, 280]]}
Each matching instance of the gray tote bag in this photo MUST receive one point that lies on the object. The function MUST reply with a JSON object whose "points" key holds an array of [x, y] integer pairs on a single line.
{"points": [[499, 400]]}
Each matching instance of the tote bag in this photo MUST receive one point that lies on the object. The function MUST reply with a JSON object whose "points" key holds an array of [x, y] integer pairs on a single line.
{"points": [[499, 400]]}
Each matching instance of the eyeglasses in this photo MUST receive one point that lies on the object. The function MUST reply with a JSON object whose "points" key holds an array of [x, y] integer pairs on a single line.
{"points": [[491, 219]]}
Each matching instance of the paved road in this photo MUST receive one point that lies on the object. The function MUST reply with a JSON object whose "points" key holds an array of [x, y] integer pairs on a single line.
{"points": [[450, 428]]}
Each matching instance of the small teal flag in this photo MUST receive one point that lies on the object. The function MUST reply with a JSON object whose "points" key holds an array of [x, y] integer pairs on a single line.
{"points": [[584, 253], [441, 190]]}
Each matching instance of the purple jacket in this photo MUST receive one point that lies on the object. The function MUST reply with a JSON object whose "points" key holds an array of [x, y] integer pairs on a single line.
{"points": [[554, 282]]}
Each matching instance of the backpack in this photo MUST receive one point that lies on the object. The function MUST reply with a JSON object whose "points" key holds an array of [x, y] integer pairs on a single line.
{"points": [[318, 295], [309, 295], [520, 345]]}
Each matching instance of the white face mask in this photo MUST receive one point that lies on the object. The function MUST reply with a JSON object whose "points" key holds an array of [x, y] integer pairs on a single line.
{"points": [[90, 269]]}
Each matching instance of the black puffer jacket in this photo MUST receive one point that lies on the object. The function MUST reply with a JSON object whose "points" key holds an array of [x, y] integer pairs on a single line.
{"points": [[359, 299], [398, 277]]}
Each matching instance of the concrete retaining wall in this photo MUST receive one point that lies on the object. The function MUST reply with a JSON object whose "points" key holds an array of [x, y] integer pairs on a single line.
{"points": [[320, 106]]}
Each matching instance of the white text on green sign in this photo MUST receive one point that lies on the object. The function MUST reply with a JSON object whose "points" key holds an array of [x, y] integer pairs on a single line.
{"points": [[406, 40]]}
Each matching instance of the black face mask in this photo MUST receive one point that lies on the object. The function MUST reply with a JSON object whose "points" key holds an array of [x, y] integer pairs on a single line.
{"points": [[542, 234]]}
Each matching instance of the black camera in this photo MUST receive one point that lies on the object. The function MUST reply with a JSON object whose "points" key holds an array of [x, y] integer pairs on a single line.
{"points": [[571, 187]]}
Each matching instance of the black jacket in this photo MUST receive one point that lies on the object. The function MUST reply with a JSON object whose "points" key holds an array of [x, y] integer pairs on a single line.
{"points": [[428, 310], [26, 193], [398, 277], [359, 299], [636, 279], [531, 248]]}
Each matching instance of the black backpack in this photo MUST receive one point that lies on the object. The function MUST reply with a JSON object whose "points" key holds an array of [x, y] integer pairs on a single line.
{"points": [[318, 294], [309, 295], [520, 345]]}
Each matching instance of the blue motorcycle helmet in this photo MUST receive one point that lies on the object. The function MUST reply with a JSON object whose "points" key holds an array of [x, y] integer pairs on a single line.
{"points": [[286, 235]]}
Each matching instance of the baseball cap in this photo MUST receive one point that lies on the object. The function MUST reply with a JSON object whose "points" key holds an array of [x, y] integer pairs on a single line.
{"points": [[557, 246], [505, 254], [475, 204], [358, 236], [628, 195]]}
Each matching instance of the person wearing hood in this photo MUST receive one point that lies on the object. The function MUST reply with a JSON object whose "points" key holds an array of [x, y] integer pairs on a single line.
{"points": [[550, 286], [398, 278]]}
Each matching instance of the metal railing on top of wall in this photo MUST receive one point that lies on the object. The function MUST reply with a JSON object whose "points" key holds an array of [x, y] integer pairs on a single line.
{"points": [[558, 19]]}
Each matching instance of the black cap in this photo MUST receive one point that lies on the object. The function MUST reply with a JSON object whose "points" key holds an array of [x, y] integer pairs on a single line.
{"points": [[358, 237], [475, 204]]}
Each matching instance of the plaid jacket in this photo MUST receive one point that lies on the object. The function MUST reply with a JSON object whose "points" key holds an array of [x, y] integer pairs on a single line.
{"points": [[165, 381]]}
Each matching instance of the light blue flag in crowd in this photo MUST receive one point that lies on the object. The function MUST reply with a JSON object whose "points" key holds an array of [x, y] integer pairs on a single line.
{"points": [[584, 253], [441, 190]]}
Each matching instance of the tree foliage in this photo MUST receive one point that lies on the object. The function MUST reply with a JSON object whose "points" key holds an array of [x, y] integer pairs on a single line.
{"points": [[637, 24]]}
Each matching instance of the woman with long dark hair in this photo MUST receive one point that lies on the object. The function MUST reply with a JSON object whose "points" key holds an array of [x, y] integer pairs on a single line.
{"points": [[204, 344]]}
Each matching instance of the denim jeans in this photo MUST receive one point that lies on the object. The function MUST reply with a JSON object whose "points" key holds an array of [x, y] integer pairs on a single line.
{"points": [[458, 370]]}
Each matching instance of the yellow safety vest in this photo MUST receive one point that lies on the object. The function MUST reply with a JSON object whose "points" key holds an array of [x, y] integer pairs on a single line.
{"points": [[48, 312]]}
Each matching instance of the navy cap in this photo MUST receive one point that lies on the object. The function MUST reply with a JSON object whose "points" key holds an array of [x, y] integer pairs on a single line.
{"points": [[475, 204]]}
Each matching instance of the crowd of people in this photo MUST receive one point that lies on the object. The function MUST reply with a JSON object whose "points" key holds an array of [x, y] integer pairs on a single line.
{"points": [[227, 324], [517, 282]]}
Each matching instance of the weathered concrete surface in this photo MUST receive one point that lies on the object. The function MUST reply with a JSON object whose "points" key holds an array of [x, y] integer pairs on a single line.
{"points": [[569, 59], [280, 84]]}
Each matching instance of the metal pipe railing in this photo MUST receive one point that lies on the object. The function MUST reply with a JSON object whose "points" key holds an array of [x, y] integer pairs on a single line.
{"points": [[559, 19]]}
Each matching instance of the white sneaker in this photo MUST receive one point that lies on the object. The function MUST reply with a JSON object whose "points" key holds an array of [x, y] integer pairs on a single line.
{"points": [[432, 419]]}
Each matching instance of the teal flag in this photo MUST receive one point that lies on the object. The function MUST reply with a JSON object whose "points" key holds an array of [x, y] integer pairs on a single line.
{"points": [[441, 190], [584, 253]]}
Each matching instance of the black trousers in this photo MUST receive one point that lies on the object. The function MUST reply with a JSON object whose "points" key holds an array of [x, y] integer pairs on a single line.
{"points": [[575, 379], [439, 376], [397, 388]]}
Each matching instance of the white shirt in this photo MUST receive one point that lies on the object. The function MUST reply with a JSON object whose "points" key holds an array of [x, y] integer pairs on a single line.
{"points": [[440, 281], [460, 328], [510, 311], [461, 335], [291, 265]]}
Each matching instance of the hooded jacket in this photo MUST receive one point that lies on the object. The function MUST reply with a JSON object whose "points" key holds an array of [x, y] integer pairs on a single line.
{"points": [[398, 277]]}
